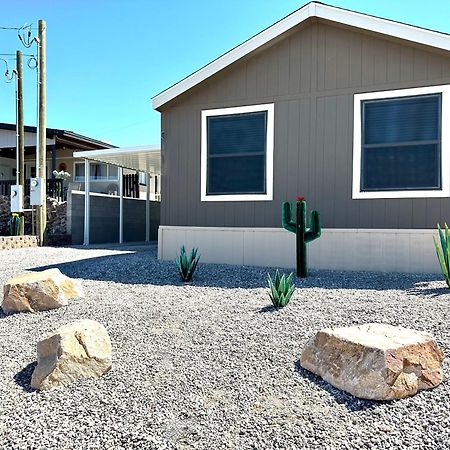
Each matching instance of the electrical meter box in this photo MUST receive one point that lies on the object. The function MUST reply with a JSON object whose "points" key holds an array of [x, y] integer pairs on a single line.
{"points": [[16, 198], [37, 191]]}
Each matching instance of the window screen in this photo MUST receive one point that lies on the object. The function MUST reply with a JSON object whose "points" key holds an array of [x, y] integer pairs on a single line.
{"points": [[98, 171], [237, 154], [401, 143], [79, 171], [113, 172]]}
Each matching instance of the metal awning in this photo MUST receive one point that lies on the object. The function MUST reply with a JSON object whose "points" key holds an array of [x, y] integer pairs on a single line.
{"points": [[145, 158]]}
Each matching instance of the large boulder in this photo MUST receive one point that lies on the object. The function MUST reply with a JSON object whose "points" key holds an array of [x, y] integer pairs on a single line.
{"points": [[39, 291], [75, 351], [375, 361]]}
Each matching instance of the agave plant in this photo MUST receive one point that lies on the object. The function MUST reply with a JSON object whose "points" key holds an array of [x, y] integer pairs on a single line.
{"points": [[281, 289], [187, 265], [443, 252]]}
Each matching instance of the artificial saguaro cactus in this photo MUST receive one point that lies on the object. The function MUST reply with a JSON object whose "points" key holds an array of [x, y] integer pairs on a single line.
{"points": [[297, 224]]}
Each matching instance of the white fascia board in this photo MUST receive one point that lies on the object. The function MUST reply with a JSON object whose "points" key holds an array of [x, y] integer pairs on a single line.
{"points": [[384, 26], [233, 55], [343, 16]]}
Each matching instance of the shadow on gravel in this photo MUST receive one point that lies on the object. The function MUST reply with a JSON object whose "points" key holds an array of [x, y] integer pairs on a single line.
{"points": [[423, 290], [142, 267], [23, 378], [268, 309], [353, 404]]}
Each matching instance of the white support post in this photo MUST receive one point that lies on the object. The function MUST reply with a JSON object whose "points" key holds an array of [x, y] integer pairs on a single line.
{"points": [[147, 207], [87, 201], [120, 205]]}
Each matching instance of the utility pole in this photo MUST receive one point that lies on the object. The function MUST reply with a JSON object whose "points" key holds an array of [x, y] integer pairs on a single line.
{"points": [[20, 133], [42, 131]]}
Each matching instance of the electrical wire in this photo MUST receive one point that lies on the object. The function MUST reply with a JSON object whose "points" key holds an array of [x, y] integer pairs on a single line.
{"points": [[9, 74], [32, 61], [25, 36], [14, 55], [17, 28]]}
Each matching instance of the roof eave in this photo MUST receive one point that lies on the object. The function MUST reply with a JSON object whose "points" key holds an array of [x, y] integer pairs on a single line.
{"points": [[318, 10]]}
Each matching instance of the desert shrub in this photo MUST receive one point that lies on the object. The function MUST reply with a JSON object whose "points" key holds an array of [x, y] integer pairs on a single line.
{"points": [[281, 289], [443, 252], [187, 264]]}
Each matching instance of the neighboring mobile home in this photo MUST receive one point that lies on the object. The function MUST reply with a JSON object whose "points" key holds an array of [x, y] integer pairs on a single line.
{"points": [[60, 147], [348, 110]]}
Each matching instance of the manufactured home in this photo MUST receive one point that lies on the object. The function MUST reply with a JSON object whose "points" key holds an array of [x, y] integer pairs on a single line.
{"points": [[348, 110]]}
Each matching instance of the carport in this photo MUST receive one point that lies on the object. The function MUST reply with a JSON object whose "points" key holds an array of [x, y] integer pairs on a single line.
{"points": [[144, 159]]}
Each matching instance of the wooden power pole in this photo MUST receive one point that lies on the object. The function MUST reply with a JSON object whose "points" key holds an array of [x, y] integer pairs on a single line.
{"points": [[20, 133], [42, 131]]}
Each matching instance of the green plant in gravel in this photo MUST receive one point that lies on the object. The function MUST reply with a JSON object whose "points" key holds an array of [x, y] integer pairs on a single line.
{"points": [[187, 264], [14, 224], [281, 289], [443, 252]]}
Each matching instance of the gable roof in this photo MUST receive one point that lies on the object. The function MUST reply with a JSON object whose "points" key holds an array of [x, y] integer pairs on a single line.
{"points": [[313, 9]]}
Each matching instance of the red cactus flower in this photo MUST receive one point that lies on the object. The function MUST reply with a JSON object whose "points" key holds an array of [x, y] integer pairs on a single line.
{"points": [[300, 199]]}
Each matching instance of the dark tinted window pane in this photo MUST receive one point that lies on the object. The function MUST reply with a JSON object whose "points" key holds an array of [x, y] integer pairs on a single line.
{"points": [[236, 175], [98, 172], [237, 133], [79, 171], [401, 167], [402, 119]]}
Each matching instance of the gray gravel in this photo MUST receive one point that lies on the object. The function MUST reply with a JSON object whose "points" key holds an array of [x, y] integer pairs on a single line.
{"points": [[208, 365]]}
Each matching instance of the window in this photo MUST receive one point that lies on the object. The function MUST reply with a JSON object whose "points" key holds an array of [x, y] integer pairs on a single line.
{"points": [[237, 153], [30, 170], [98, 171], [79, 172], [401, 148], [142, 178]]}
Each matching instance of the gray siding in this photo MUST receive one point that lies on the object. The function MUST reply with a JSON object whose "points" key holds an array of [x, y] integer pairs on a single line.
{"points": [[105, 219], [311, 75]]}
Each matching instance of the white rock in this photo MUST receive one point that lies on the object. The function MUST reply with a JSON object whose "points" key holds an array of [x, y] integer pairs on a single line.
{"points": [[39, 291], [375, 361], [75, 351]]}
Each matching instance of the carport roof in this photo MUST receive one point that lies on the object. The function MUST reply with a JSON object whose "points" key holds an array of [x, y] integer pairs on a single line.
{"points": [[146, 158]]}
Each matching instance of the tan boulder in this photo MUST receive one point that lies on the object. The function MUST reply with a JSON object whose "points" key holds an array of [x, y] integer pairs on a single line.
{"points": [[375, 361], [39, 291], [75, 351]]}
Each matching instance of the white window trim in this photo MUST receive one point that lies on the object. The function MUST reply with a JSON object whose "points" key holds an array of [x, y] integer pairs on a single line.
{"points": [[269, 154], [445, 144], [92, 180]]}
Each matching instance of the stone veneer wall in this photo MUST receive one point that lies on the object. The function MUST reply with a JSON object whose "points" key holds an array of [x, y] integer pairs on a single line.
{"points": [[56, 217], [10, 242]]}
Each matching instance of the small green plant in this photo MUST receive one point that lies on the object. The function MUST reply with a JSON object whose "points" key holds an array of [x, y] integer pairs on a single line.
{"points": [[281, 289], [14, 224], [443, 252], [187, 265]]}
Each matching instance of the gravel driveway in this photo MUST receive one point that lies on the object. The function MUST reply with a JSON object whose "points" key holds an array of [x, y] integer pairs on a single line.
{"points": [[209, 365]]}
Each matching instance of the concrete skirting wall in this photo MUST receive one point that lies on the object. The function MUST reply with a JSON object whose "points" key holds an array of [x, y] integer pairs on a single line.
{"points": [[337, 249]]}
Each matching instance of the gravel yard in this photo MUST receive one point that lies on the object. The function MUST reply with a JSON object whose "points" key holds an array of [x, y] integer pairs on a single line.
{"points": [[210, 365]]}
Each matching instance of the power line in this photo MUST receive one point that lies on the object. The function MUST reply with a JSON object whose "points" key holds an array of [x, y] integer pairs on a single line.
{"points": [[16, 28], [13, 54], [32, 61]]}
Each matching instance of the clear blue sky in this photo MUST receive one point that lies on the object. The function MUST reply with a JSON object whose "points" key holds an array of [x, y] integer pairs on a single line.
{"points": [[107, 58]]}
